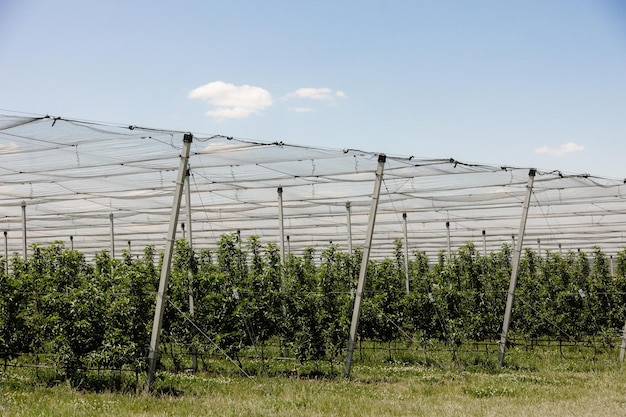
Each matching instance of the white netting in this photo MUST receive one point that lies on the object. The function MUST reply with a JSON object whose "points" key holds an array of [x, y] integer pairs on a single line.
{"points": [[73, 175]]}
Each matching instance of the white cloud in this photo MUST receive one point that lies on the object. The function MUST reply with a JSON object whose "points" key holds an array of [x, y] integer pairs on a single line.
{"points": [[561, 150], [317, 93], [302, 109], [232, 101]]}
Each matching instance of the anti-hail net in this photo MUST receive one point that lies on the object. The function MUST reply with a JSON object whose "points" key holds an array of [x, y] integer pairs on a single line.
{"points": [[72, 175]]}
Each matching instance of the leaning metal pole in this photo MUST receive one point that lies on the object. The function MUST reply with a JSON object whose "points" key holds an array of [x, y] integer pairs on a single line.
{"points": [[514, 268], [153, 355], [366, 254]]}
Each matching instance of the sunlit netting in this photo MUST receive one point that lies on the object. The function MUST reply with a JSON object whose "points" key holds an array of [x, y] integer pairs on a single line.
{"points": [[73, 175]]}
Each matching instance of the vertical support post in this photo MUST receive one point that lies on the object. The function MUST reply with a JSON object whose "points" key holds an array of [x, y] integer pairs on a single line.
{"points": [[112, 236], [194, 353], [513, 241], [349, 225], [129, 250], [611, 268], [281, 225], [484, 243], [448, 234], [560, 249], [188, 205], [406, 254], [71, 242], [24, 230], [153, 355], [288, 245], [539, 247], [622, 350], [515, 267], [112, 241], [6, 251], [369, 234]]}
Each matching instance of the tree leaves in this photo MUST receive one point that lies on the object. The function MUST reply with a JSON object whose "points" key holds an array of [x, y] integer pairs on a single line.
{"points": [[99, 313]]}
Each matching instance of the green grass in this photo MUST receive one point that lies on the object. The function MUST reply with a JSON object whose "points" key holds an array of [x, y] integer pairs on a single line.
{"points": [[539, 383]]}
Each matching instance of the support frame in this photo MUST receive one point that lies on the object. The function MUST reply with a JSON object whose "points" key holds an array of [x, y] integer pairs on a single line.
{"points": [[153, 355], [515, 267], [369, 234]]}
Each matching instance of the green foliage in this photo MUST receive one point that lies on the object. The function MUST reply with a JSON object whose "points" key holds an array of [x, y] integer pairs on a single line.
{"points": [[218, 297], [335, 282], [83, 315], [302, 326], [384, 310], [260, 307]]}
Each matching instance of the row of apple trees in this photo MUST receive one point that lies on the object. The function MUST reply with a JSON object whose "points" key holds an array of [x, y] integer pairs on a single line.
{"points": [[58, 307]]}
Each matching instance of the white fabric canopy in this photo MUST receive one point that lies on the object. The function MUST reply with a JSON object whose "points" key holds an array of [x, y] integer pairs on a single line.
{"points": [[72, 175]]}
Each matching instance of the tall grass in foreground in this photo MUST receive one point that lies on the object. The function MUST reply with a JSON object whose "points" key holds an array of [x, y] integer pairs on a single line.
{"points": [[542, 384]]}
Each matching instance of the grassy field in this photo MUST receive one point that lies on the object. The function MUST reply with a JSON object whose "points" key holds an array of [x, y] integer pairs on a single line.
{"points": [[537, 384]]}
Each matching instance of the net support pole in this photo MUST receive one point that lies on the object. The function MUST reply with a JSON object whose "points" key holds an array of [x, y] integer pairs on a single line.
{"points": [[25, 242], [515, 267], [448, 236], [622, 350], [153, 355], [349, 225], [369, 234], [406, 254], [189, 239], [281, 224], [194, 353], [484, 243], [111, 219], [6, 251]]}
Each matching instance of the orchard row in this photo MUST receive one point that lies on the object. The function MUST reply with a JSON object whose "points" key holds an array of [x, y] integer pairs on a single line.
{"points": [[84, 314]]}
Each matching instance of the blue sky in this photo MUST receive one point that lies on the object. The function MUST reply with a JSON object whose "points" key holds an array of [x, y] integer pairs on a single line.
{"points": [[526, 83]]}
